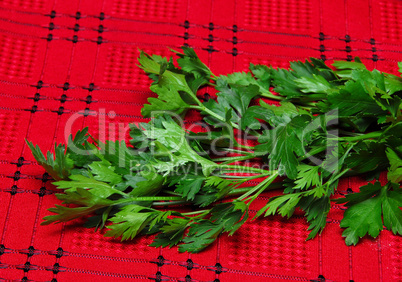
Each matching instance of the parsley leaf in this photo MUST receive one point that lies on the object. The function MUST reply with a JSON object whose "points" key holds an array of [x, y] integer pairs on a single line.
{"points": [[170, 140], [172, 232], [60, 164], [130, 221], [284, 205], [233, 100], [174, 92], [189, 186], [190, 63], [283, 143], [97, 187], [302, 78], [395, 170], [89, 202], [104, 171], [316, 213], [225, 217], [368, 209], [307, 176]]}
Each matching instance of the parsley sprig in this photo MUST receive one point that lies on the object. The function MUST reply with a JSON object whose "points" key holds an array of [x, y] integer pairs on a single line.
{"points": [[189, 186]]}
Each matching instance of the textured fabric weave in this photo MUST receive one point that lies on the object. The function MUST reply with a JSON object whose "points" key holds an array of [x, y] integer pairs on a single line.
{"points": [[64, 58]]}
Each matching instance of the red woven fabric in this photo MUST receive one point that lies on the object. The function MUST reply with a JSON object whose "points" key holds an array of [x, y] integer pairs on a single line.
{"points": [[60, 58]]}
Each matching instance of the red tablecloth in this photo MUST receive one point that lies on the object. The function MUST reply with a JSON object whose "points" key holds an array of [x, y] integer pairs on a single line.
{"points": [[60, 59]]}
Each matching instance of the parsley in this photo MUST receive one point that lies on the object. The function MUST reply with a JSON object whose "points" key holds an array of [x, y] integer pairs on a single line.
{"points": [[329, 123]]}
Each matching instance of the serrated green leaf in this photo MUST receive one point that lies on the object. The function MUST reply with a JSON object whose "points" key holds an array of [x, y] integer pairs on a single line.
{"points": [[225, 217], [395, 169], [261, 78], [59, 165], [316, 84], [172, 233], [104, 171], [253, 113], [283, 143], [368, 209], [149, 64], [239, 78], [284, 205], [145, 183], [391, 208], [174, 92], [366, 192], [316, 210], [190, 186], [130, 221], [99, 220], [189, 62], [345, 68], [200, 236], [168, 99], [138, 138], [313, 73], [233, 99], [367, 156], [64, 214], [220, 185], [282, 113], [393, 83], [175, 145], [88, 201], [262, 74], [353, 100], [307, 176], [98, 188], [361, 219], [214, 188]]}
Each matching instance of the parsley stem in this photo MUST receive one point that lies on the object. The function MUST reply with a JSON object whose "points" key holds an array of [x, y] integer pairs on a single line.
{"points": [[260, 187], [271, 96], [230, 176], [236, 151], [240, 168], [229, 160], [171, 193], [170, 203], [370, 135], [202, 108], [312, 153], [145, 199], [244, 146], [195, 212]]}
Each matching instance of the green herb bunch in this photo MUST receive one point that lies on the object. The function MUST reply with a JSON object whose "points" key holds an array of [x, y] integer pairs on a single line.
{"points": [[190, 186]]}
